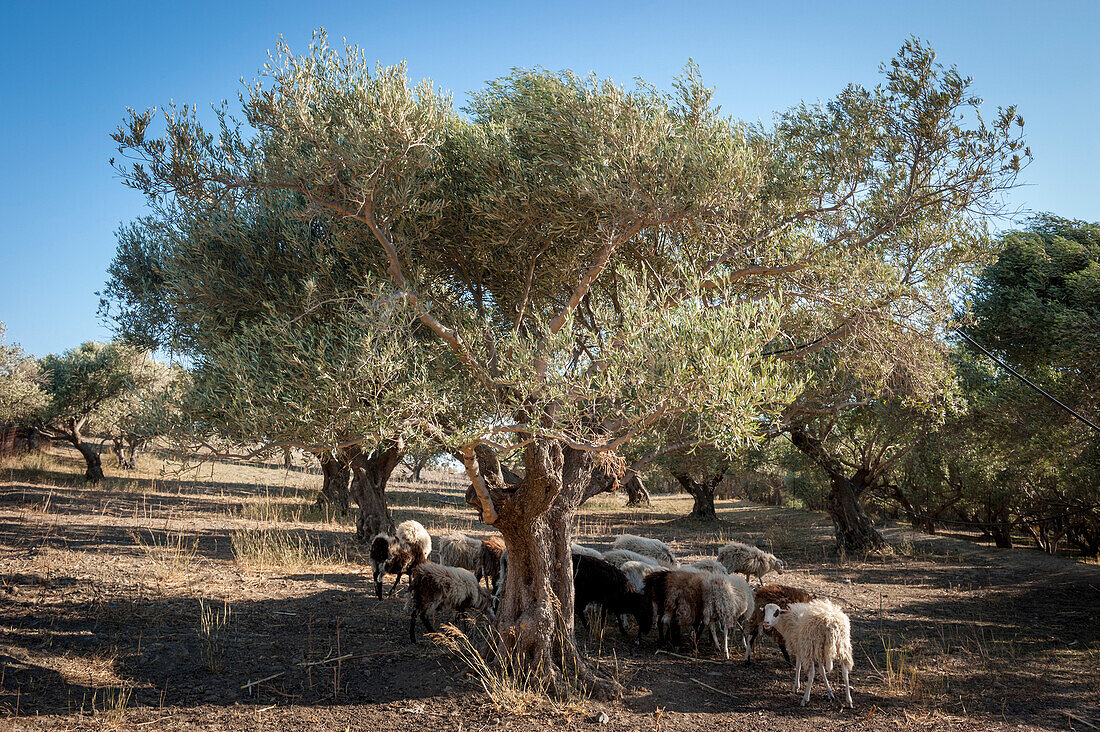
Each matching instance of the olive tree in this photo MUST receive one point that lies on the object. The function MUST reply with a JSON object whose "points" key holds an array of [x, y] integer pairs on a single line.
{"points": [[21, 394], [569, 265], [86, 390]]}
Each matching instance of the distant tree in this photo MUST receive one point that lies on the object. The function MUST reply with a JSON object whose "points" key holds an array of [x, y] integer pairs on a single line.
{"points": [[84, 388], [21, 394], [559, 272], [1037, 308]]}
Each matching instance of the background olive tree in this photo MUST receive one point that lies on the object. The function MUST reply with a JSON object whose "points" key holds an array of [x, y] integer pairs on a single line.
{"points": [[87, 389], [563, 269], [21, 394]]}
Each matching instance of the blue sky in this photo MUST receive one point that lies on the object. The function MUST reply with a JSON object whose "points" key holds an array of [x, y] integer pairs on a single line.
{"points": [[71, 69]]}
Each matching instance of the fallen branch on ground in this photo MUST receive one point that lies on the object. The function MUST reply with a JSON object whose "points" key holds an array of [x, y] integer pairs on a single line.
{"points": [[717, 691], [306, 664]]}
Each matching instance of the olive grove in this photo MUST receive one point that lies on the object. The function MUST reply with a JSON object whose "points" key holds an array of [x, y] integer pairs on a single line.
{"points": [[564, 267]]}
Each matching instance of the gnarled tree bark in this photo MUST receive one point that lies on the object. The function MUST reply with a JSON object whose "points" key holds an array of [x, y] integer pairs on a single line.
{"points": [[370, 473], [855, 531], [630, 482], [702, 492], [336, 475], [535, 516]]}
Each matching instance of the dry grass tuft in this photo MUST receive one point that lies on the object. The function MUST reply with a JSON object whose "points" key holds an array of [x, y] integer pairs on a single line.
{"points": [[271, 548], [172, 552], [213, 635]]}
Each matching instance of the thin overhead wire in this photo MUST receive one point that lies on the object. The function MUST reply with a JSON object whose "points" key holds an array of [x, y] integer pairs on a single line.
{"points": [[1024, 379]]}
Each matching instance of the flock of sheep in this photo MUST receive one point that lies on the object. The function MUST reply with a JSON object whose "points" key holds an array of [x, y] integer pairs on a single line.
{"points": [[638, 577]]}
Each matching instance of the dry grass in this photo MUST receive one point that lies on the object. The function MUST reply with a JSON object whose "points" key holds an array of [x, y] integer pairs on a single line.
{"points": [[511, 685], [276, 549], [213, 635], [172, 551]]}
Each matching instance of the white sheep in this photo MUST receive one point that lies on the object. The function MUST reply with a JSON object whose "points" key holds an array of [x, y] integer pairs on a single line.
{"points": [[436, 587], [619, 557], [458, 550], [636, 572], [709, 565], [648, 547], [743, 559], [818, 634], [577, 549], [413, 532]]}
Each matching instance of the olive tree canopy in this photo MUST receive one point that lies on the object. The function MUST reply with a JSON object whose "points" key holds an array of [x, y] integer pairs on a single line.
{"points": [[21, 395], [561, 269]]}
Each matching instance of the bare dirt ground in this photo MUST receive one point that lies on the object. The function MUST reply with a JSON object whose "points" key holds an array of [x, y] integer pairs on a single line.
{"points": [[104, 591]]}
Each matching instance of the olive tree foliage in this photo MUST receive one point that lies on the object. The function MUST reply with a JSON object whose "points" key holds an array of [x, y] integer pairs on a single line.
{"points": [[1011, 460], [568, 266], [93, 390], [21, 394]]}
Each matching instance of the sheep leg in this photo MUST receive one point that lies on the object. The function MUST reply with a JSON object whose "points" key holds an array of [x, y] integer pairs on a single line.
{"points": [[786, 656], [847, 686], [809, 684], [378, 585], [828, 686], [726, 641], [674, 636], [797, 674], [714, 637], [412, 626], [396, 582]]}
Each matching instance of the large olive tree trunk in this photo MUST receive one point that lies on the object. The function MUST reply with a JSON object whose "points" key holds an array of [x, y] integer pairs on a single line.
{"points": [[94, 473], [336, 474], [855, 531], [630, 482], [535, 517], [702, 491], [370, 473], [636, 493]]}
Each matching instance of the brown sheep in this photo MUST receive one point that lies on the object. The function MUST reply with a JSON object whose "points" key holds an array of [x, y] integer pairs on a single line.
{"points": [[780, 595], [488, 560]]}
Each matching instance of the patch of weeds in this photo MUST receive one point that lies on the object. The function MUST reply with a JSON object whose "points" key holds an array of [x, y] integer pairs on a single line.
{"points": [[213, 635], [512, 685], [898, 674], [172, 551], [109, 704], [263, 548]]}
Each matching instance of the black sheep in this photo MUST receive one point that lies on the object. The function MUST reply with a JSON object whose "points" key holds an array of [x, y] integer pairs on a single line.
{"points": [[602, 583]]}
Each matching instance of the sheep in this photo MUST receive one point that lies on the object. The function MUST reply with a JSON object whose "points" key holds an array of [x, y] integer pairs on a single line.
{"points": [[647, 547], [697, 598], [434, 586], [458, 550], [677, 599], [619, 557], [576, 549], [727, 601], [709, 565], [598, 582], [780, 595], [743, 559], [819, 634], [636, 572], [488, 560], [389, 556], [413, 532]]}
